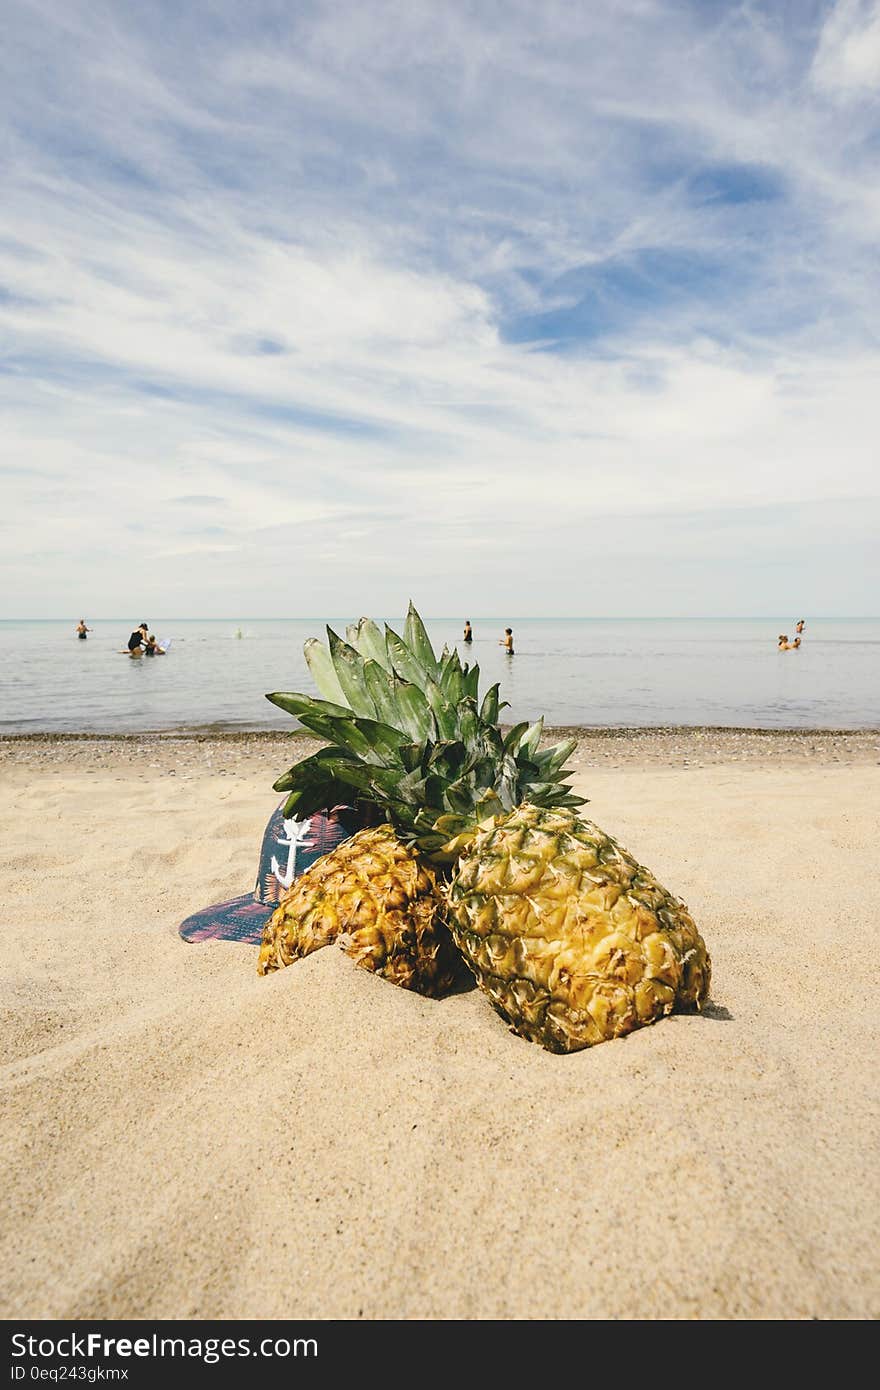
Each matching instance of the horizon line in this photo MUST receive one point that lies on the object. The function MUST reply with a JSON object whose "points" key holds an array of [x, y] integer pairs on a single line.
{"points": [[485, 618]]}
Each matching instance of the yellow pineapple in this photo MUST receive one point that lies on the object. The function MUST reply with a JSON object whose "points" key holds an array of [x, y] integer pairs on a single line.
{"points": [[571, 939], [380, 900]]}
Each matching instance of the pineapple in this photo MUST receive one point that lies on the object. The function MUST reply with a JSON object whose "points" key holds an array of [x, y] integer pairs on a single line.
{"points": [[572, 941], [380, 899]]}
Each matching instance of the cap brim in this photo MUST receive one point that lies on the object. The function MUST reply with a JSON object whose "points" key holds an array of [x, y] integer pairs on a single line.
{"points": [[242, 920]]}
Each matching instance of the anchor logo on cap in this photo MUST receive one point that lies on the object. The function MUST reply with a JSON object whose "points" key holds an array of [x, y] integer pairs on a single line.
{"points": [[297, 833]]}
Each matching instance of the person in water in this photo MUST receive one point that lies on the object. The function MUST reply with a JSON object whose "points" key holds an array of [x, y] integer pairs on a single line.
{"points": [[507, 641], [783, 644], [138, 638], [799, 627], [81, 629], [468, 635], [152, 648]]}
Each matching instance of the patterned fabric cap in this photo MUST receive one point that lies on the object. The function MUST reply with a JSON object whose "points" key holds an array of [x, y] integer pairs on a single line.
{"points": [[289, 847]]}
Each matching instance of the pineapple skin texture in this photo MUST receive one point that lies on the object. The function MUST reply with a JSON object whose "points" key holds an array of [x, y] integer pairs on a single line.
{"points": [[572, 940], [381, 901]]}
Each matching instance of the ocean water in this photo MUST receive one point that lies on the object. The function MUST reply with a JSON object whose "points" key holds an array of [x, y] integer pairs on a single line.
{"points": [[588, 671]]}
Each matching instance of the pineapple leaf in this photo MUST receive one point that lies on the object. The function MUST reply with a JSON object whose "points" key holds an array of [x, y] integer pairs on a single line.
{"points": [[370, 643], [349, 667], [559, 796], [532, 737], [434, 790], [469, 725], [490, 805], [548, 793], [485, 773], [447, 759], [418, 641], [552, 759], [297, 705], [413, 711], [471, 682], [493, 742], [443, 711], [411, 755], [571, 799], [380, 684], [402, 660], [354, 774], [323, 673], [459, 799], [514, 737], [452, 678], [447, 825], [490, 706], [409, 788], [369, 739], [507, 785], [319, 724], [527, 771], [315, 784]]}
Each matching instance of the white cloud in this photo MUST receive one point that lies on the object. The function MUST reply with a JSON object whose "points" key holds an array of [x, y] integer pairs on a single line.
{"points": [[847, 60], [289, 269]]}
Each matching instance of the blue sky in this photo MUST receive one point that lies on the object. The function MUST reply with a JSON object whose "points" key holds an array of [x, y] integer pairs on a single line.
{"points": [[311, 308]]}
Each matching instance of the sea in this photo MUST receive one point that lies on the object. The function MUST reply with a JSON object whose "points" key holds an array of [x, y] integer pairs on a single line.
{"points": [[589, 672]]}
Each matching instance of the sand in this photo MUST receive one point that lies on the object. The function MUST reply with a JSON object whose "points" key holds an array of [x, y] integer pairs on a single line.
{"points": [[183, 1139]]}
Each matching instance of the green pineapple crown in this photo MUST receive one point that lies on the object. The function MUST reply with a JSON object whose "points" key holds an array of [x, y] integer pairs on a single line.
{"points": [[408, 733]]}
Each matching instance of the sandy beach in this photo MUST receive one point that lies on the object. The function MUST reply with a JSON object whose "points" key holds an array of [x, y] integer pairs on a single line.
{"points": [[183, 1139]]}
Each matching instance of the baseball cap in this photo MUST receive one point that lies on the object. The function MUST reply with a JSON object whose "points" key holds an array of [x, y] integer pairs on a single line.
{"points": [[290, 846]]}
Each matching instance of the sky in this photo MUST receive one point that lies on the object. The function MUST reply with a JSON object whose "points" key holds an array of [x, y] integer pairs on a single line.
{"points": [[312, 308]]}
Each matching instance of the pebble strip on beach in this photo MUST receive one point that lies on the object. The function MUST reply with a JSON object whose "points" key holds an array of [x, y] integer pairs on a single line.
{"points": [[190, 753]]}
